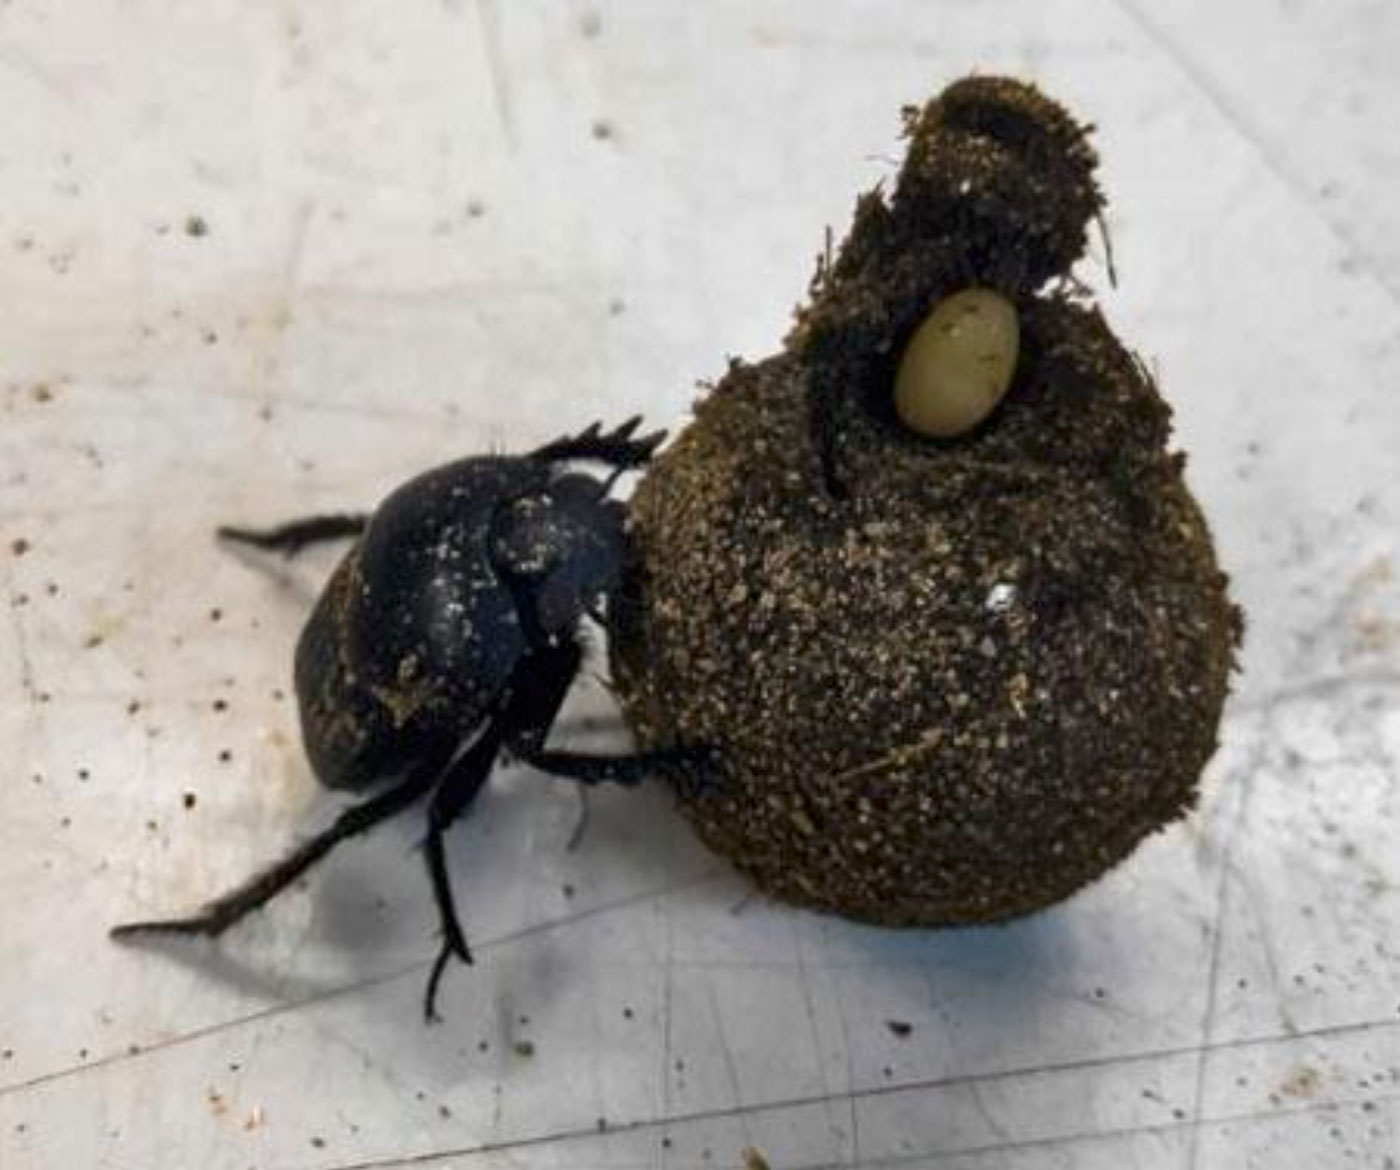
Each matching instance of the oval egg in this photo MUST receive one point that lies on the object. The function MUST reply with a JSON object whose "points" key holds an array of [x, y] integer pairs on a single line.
{"points": [[958, 364]]}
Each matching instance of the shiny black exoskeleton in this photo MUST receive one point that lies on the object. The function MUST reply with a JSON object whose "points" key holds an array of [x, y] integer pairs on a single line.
{"points": [[448, 634]]}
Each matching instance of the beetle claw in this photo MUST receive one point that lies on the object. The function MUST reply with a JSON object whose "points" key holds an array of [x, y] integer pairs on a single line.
{"points": [[453, 945]]}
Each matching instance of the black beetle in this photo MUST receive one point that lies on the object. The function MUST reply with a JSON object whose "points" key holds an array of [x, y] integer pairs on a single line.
{"points": [[448, 634]]}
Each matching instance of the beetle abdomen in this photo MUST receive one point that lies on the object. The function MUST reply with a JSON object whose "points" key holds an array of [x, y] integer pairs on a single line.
{"points": [[348, 735], [414, 635]]}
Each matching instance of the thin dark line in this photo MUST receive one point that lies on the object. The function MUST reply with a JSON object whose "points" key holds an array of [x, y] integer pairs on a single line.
{"points": [[809, 1005], [585, 1132], [1249, 773], [332, 993], [730, 1067], [667, 1001], [1165, 1127], [26, 663], [932, 1083], [1222, 904], [489, 20]]}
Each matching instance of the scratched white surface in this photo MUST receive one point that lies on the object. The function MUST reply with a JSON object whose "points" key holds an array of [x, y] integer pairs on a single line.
{"points": [[437, 227]]}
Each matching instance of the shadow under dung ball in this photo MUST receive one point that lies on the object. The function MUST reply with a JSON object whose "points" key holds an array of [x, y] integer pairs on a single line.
{"points": [[946, 680]]}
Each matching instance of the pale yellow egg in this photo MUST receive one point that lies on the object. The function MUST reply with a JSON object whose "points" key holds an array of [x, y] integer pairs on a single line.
{"points": [[958, 364]]}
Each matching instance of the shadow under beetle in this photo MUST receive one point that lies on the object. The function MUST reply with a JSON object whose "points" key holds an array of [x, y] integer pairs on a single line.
{"points": [[448, 635]]}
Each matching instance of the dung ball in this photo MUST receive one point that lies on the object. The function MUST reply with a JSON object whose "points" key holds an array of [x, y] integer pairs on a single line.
{"points": [[975, 679]]}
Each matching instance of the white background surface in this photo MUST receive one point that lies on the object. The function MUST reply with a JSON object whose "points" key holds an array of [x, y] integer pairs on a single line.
{"points": [[437, 227]]}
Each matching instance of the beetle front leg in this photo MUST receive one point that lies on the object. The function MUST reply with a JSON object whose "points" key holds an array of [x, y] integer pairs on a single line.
{"points": [[290, 538], [616, 448]]}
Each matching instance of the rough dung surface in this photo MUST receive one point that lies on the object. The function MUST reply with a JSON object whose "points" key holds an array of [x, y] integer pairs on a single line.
{"points": [[980, 680]]}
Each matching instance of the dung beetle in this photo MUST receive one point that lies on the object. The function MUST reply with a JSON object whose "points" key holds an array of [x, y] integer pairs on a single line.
{"points": [[448, 634]]}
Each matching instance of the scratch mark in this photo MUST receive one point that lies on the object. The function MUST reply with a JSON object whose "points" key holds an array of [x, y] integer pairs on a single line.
{"points": [[1207, 1029], [979, 1103], [851, 1094], [1066, 1142], [739, 1110], [343, 991], [1275, 159], [810, 1008], [26, 663], [1248, 773], [590, 1133], [266, 358], [1267, 948], [667, 1001], [368, 1060], [489, 18]]}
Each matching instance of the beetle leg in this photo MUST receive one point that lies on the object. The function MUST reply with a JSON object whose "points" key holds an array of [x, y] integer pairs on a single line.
{"points": [[589, 768], [617, 448], [545, 678], [290, 538], [262, 887], [454, 794]]}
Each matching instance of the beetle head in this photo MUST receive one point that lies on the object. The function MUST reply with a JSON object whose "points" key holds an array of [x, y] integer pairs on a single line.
{"points": [[561, 549]]}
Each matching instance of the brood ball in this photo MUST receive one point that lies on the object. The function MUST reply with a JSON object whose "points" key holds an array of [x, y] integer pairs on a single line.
{"points": [[947, 674]]}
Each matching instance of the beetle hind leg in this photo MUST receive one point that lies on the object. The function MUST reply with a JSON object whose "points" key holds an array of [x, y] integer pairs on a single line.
{"points": [[293, 536], [263, 886]]}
